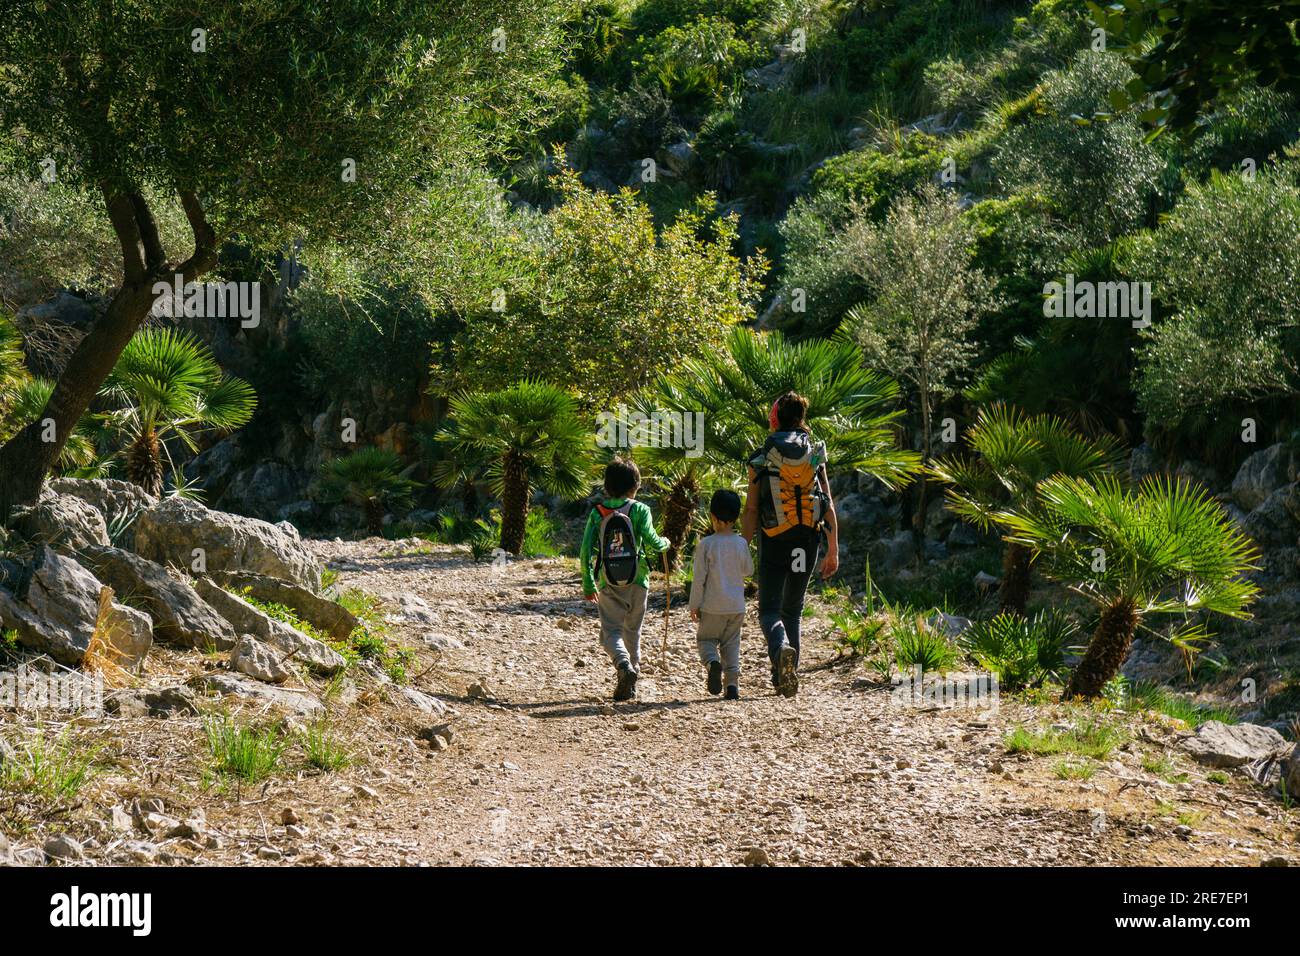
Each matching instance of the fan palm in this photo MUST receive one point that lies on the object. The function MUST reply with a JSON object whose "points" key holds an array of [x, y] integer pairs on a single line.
{"points": [[23, 397], [1011, 454], [13, 367], [166, 384], [534, 436], [370, 478], [1165, 548], [848, 409]]}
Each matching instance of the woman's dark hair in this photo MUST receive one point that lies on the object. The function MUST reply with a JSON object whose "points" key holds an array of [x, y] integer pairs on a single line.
{"points": [[622, 477], [791, 410], [725, 505]]}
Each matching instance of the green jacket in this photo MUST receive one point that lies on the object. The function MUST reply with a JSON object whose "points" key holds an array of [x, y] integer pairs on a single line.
{"points": [[647, 541]]}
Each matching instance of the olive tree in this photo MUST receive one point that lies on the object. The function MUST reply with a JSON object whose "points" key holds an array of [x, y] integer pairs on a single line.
{"points": [[258, 122], [927, 297]]}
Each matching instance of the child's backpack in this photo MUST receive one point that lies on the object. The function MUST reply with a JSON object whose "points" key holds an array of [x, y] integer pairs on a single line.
{"points": [[789, 495], [617, 555]]}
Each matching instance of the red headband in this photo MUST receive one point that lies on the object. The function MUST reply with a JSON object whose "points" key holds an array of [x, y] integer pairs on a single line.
{"points": [[771, 416]]}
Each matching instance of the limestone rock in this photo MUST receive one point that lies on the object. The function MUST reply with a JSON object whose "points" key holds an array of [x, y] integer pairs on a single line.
{"points": [[152, 702], [255, 692], [259, 661], [1233, 745], [61, 520], [63, 847], [244, 618], [118, 503], [53, 607], [179, 615], [1262, 474], [123, 636], [171, 532], [1291, 772], [321, 613]]}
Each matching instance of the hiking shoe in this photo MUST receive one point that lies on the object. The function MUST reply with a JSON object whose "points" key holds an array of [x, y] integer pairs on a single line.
{"points": [[733, 693], [776, 678], [631, 684], [626, 685], [787, 672], [715, 677]]}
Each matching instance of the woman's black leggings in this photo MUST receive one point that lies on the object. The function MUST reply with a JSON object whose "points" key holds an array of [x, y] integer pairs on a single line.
{"points": [[785, 563]]}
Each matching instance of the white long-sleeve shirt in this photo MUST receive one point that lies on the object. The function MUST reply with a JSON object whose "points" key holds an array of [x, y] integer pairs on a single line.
{"points": [[722, 562]]}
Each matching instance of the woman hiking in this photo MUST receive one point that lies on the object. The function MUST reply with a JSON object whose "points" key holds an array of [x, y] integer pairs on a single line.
{"points": [[789, 501]]}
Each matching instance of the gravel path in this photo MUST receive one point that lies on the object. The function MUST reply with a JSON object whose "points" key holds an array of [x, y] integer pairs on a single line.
{"points": [[543, 769]]}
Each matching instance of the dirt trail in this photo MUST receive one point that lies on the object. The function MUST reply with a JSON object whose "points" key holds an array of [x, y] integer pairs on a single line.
{"points": [[545, 770]]}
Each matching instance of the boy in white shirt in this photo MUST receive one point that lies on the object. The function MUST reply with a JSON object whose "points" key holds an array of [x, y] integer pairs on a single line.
{"points": [[717, 603]]}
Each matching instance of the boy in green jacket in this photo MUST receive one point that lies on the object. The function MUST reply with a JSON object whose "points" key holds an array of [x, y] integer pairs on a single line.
{"points": [[622, 605]]}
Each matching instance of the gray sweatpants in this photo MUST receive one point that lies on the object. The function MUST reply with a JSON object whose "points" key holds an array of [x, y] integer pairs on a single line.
{"points": [[621, 612], [719, 640]]}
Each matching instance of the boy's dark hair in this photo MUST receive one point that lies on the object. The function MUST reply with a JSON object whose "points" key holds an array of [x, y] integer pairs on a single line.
{"points": [[791, 410], [622, 477], [725, 505]]}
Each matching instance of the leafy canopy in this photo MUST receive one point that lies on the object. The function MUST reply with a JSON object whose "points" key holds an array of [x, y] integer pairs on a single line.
{"points": [[1224, 268], [1186, 54], [259, 123], [603, 303]]}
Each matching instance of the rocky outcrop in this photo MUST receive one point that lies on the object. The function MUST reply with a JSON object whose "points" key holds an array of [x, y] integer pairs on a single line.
{"points": [[325, 615], [259, 661], [1216, 744], [1262, 474], [59, 608], [172, 701], [58, 519], [254, 692], [247, 619], [179, 615], [118, 503], [187, 535]]}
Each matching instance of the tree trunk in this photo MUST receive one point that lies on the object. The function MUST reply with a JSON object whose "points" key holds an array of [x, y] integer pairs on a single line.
{"points": [[144, 462], [514, 504], [374, 510], [29, 455], [1106, 651], [918, 520], [1014, 589], [469, 498], [679, 510]]}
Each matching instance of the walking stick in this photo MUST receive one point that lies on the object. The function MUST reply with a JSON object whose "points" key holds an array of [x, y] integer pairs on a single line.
{"points": [[668, 603]]}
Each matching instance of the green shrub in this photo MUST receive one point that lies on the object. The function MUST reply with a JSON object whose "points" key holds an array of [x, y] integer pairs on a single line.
{"points": [[324, 751], [539, 536], [1101, 177], [1090, 738], [916, 643], [1227, 301], [1023, 652], [855, 633], [248, 753], [52, 769]]}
